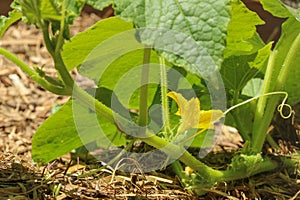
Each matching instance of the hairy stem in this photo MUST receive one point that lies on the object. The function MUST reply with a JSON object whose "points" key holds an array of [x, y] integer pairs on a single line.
{"points": [[55, 53], [143, 112], [63, 72], [93, 103], [60, 39], [164, 98], [33, 74]]}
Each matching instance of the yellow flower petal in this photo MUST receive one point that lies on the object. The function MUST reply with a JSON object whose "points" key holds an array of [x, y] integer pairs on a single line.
{"points": [[192, 116], [188, 110], [208, 117]]}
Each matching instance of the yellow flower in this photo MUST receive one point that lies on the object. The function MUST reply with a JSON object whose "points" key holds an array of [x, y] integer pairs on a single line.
{"points": [[192, 116]]}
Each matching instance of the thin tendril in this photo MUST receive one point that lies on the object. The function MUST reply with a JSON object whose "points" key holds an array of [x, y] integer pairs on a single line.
{"points": [[282, 105], [279, 108]]}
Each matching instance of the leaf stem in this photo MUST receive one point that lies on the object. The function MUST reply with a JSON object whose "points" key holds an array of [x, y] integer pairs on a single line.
{"points": [[164, 98], [55, 53], [60, 39], [286, 67], [265, 115], [33, 74], [268, 85], [143, 111], [93, 103], [63, 72]]}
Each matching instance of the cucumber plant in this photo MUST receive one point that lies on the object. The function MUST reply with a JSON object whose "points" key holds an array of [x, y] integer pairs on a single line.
{"points": [[187, 52]]}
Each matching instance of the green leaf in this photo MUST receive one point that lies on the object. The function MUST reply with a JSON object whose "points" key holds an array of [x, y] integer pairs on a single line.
{"points": [[242, 38], [30, 10], [276, 8], [260, 60], [5, 22], [35, 11], [131, 10], [70, 128], [112, 59], [253, 87], [50, 10], [73, 9], [188, 33], [235, 71], [56, 136], [99, 4], [75, 51]]}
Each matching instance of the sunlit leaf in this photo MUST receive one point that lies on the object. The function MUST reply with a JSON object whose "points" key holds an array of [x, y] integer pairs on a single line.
{"points": [[242, 38], [188, 33]]}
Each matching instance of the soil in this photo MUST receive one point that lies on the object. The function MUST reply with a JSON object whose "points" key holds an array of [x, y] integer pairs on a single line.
{"points": [[24, 106]]}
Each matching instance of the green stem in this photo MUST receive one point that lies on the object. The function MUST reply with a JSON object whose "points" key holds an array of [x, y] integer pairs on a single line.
{"points": [[93, 103], [235, 174], [63, 72], [207, 173], [272, 142], [268, 86], [177, 168], [172, 150], [237, 120], [33, 74], [46, 37], [164, 98], [287, 67], [240, 126], [265, 115], [143, 112], [55, 53], [60, 39]]}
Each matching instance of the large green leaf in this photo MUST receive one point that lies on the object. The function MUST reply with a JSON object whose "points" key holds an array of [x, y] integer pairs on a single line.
{"points": [[190, 33], [246, 57], [242, 38], [69, 128], [261, 58], [75, 51], [109, 54]]}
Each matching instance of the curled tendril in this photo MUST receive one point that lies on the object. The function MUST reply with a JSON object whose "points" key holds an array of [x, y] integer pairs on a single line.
{"points": [[282, 105], [279, 108]]}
